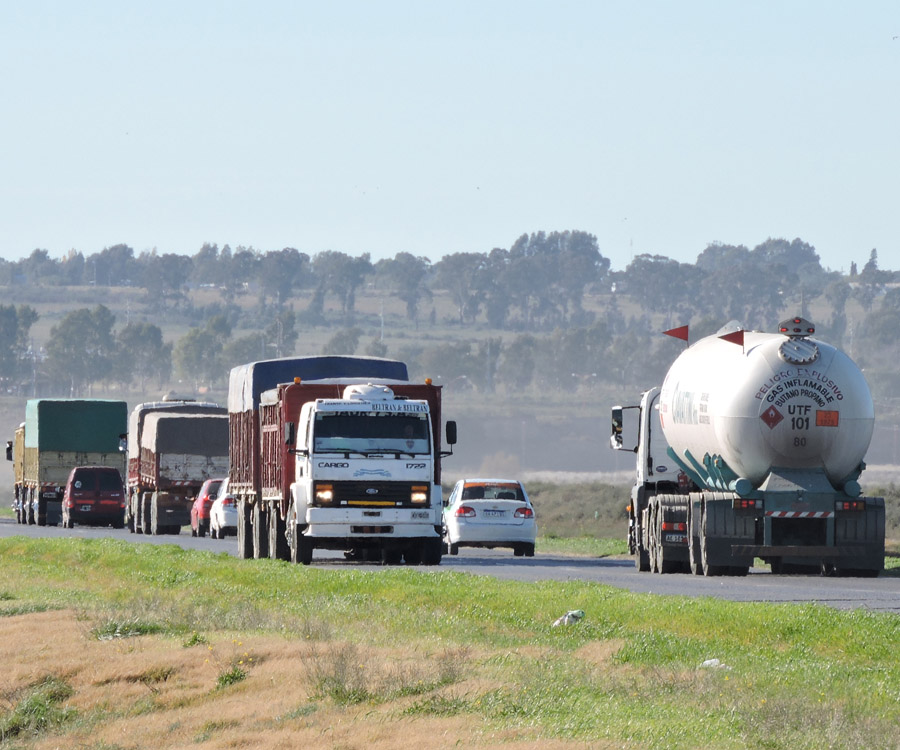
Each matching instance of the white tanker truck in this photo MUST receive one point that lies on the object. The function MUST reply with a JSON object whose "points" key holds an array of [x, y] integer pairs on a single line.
{"points": [[753, 447]]}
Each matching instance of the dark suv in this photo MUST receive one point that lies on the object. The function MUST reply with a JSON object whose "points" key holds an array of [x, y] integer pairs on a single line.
{"points": [[94, 496]]}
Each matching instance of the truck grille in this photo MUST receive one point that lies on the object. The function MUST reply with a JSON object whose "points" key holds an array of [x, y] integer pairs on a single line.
{"points": [[373, 494]]}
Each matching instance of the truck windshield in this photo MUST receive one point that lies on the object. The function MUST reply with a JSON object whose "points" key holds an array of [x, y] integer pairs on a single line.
{"points": [[371, 432]]}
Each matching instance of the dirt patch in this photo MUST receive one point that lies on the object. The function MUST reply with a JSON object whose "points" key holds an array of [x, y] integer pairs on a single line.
{"points": [[152, 691]]}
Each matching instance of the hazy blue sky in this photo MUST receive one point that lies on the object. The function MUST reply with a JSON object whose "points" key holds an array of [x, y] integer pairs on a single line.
{"points": [[435, 128]]}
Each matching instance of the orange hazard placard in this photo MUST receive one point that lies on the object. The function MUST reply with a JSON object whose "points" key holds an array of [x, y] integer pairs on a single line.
{"points": [[827, 418]]}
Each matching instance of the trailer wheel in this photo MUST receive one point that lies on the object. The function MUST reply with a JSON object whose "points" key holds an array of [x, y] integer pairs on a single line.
{"points": [[260, 531], [144, 507], [155, 528], [278, 543], [41, 511], [708, 569], [245, 545]]}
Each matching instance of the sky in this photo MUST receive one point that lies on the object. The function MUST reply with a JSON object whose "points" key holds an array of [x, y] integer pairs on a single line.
{"points": [[436, 128]]}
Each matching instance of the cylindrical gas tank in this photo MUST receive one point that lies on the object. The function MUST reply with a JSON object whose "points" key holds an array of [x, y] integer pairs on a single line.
{"points": [[774, 402]]}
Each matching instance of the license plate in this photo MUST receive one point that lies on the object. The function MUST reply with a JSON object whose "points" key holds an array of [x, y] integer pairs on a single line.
{"points": [[85, 507], [494, 513], [676, 538], [421, 515]]}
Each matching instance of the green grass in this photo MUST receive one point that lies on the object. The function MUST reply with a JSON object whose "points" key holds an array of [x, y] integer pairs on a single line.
{"points": [[630, 672]]}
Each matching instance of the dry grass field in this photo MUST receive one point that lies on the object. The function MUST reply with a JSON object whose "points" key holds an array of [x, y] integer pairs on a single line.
{"points": [[151, 691]]}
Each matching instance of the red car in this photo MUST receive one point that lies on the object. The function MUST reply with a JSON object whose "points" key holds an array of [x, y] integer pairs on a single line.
{"points": [[94, 496], [201, 506]]}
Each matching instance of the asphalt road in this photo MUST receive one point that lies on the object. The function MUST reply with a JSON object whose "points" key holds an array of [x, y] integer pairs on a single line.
{"points": [[881, 594]]}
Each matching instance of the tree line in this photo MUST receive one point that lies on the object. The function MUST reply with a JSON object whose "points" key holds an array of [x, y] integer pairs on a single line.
{"points": [[525, 308]]}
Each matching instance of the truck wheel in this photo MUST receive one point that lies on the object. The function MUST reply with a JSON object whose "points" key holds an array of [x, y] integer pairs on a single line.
{"points": [[414, 553], [432, 551], [245, 545], [391, 556], [260, 531], [301, 548]]}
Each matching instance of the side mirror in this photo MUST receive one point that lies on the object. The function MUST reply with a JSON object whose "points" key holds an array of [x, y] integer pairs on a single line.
{"points": [[289, 433], [451, 432], [615, 440], [9, 450]]}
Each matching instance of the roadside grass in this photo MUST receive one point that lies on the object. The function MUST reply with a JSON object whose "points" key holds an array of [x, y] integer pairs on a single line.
{"points": [[413, 644]]}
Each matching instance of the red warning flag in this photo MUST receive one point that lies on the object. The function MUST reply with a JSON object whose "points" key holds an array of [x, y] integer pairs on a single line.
{"points": [[679, 333], [734, 338]]}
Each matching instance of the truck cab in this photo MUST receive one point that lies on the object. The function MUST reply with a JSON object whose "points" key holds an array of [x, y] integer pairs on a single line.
{"points": [[637, 429], [365, 476]]}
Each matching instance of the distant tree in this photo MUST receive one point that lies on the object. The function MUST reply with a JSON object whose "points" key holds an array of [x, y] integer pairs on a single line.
{"points": [[662, 284], [376, 348], [248, 348], [72, 269], [39, 268], [81, 349], [15, 327], [718, 257], [242, 268], [485, 364], [459, 274], [281, 334], [580, 265], [142, 354], [207, 266], [165, 275], [280, 271], [341, 275], [344, 341], [197, 355], [871, 282], [517, 362], [450, 363], [405, 276], [112, 266]]}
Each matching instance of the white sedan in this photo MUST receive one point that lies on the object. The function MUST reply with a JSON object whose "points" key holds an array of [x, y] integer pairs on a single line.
{"points": [[223, 514], [490, 513]]}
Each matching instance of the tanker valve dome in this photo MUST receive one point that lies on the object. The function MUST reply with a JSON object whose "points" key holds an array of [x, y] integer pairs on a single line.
{"points": [[796, 327], [798, 350]]}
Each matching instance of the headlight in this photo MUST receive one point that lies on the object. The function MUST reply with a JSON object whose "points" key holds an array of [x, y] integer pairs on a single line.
{"points": [[419, 495], [324, 494]]}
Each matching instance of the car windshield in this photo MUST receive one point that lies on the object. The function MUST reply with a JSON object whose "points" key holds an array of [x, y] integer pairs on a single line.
{"points": [[371, 432], [491, 491]]}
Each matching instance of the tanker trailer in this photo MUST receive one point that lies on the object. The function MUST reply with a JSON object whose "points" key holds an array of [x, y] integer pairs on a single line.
{"points": [[768, 433]]}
